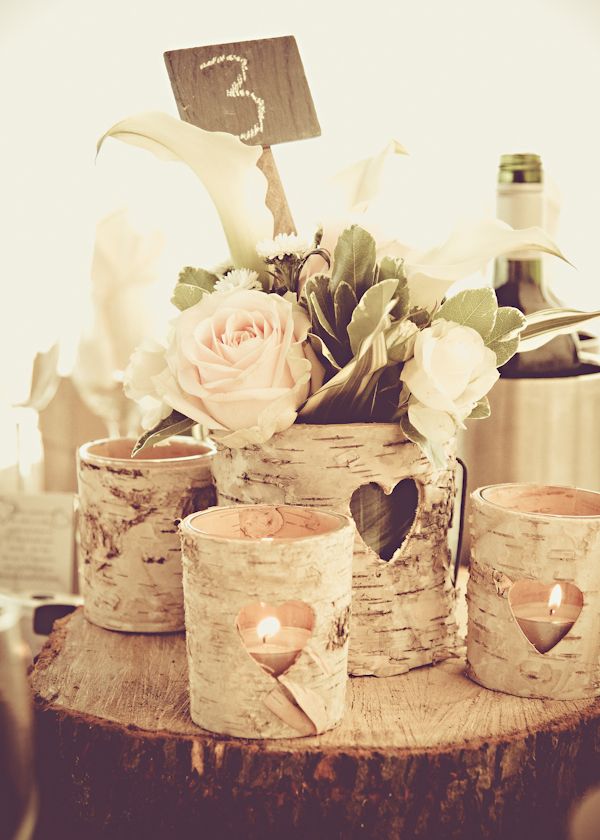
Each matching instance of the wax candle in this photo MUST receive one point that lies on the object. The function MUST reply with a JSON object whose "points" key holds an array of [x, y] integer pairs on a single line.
{"points": [[274, 647], [545, 623]]}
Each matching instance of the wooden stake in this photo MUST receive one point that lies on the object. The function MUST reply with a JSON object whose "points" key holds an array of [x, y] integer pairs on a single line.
{"points": [[256, 90]]}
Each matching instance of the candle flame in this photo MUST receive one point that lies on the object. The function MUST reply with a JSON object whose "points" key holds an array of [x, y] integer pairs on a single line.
{"points": [[555, 599], [268, 627]]}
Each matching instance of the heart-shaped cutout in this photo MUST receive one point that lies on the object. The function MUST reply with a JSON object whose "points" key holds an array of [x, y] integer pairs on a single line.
{"points": [[275, 636], [383, 521], [545, 612]]}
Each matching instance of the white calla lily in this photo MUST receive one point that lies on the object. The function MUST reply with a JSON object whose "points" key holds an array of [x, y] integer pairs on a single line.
{"points": [[469, 248], [226, 167], [361, 181]]}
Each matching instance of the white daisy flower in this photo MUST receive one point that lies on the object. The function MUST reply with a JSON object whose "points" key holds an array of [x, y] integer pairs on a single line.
{"points": [[238, 278], [284, 244], [222, 268]]}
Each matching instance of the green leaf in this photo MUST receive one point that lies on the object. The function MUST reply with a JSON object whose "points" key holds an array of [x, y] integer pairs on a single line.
{"points": [[481, 410], [198, 277], [400, 341], [434, 452], [354, 260], [475, 308], [391, 267], [319, 314], [344, 304], [504, 338], [347, 397], [374, 305], [322, 350], [402, 305], [544, 325], [185, 295], [322, 316], [174, 424], [420, 317], [318, 286]]}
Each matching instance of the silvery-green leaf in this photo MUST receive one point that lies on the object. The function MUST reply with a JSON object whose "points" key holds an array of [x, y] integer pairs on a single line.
{"points": [[318, 299], [226, 167], [321, 349], [402, 403], [400, 340], [344, 304], [198, 277], [468, 249], [174, 424], [344, 397], [394, 267], [546, 324], [475, 308], [321, 313], [434, 452], [504, 338], [354, 260], [420, 317], [481, 410], [361, 181], [391, 267], [315, 306], [185, 295], [402, 305], [374, 305]]}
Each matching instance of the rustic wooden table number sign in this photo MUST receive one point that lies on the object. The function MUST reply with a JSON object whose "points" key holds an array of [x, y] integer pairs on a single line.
{"points": [[256, 90]]}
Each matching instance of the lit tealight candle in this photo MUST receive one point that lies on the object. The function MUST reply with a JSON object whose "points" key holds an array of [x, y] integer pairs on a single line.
{"points": [[545, 624], [274, 647]]}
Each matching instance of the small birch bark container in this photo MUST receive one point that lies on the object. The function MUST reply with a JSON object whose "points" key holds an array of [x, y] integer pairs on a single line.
{"points": [[529, 544], [267, 605], [403, 594], [130, 555]]}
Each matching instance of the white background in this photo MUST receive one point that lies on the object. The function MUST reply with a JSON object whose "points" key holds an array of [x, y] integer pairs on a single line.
{"points": [[458, 83]]}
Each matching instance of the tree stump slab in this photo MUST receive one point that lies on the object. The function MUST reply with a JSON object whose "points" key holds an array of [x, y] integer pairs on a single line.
{"points": [[428, 754]]}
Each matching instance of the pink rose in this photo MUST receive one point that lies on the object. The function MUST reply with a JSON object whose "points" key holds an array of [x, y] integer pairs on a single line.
{"points": [[238, 361]]}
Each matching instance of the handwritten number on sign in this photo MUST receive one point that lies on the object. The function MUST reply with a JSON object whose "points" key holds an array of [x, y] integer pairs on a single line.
{"points": [[236, 90]]}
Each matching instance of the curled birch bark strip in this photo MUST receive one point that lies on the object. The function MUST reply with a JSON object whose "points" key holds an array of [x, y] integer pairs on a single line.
{"points": [[524, 539], [241, 574], [403, 605], [130, 549]]}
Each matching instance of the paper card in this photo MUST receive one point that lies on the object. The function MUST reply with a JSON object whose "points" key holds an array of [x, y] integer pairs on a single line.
{"points": [[37, 542]]}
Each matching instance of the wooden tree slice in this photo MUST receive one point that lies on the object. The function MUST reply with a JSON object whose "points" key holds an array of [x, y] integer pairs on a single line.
{"points": [[428, 754]]}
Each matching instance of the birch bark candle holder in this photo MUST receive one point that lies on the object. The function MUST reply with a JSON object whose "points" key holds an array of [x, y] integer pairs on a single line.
{"points": [[130, 553], [267, 604], [534, 591], [403, 595]]}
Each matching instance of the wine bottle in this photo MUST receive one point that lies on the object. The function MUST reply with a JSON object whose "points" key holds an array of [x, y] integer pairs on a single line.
{"points": [[518, 280]]}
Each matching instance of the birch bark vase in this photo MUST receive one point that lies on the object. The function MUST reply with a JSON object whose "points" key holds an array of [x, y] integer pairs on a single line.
{"points": [[527, 540], [267, 605], [402, 590], [130, 555]]}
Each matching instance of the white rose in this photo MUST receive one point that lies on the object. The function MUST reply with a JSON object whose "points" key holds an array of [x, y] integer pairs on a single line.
{"points": [[146, 362], [236, 362], [450, 372]]}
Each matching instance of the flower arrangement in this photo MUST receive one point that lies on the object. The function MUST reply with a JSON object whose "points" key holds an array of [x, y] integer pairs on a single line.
{"points": [[338, 330]]}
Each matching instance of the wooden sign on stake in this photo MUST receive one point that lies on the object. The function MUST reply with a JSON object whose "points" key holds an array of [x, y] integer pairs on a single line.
{"points": [[256, 90]]}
